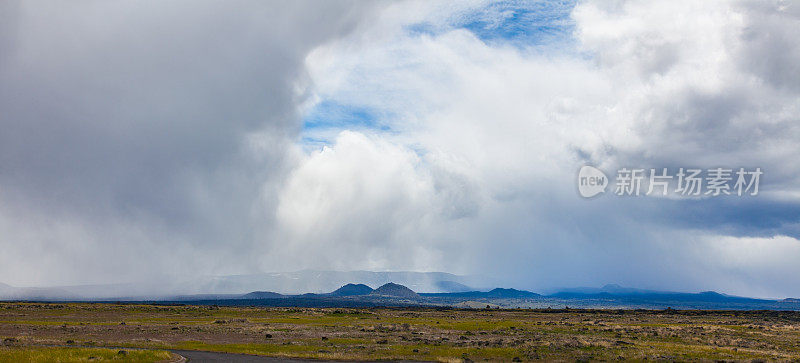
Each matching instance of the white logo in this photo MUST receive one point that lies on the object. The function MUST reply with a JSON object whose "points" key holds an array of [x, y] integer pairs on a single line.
{"points": [[591, 181]]}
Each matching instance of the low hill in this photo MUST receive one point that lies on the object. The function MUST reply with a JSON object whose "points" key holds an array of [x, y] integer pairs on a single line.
{"points": [[352, 290], [395, 290]]}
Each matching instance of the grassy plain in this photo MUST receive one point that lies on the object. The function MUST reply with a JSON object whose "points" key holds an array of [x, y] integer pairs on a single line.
{"points": [[14, 354], [409, 334]]}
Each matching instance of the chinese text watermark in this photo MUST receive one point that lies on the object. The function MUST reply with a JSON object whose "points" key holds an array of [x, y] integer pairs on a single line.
{"points": [[690, 182]]}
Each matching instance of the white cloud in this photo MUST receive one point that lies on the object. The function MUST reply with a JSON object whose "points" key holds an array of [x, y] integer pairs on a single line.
{"points": [[130, 146], [661, 84], [358, 204]]}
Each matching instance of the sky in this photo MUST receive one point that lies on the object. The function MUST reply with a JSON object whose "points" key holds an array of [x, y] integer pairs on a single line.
{"points": [[150, 140]]}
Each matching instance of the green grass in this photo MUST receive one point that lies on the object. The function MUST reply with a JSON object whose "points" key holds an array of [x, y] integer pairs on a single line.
{"points": [[338, 349], [242, 348], [58, 354], [250, 348], [55, 323], [443, 352]]}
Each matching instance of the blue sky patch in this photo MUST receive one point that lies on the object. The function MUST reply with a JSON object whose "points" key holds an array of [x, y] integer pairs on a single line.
{"points": [[519, 23], [331, 114], [524, 24]]}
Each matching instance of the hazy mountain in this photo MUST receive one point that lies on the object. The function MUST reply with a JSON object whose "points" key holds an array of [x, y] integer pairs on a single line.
{"points": [[452, 286], [298, 282], [5, 289], [312, 281], [500, 293], [497, 293], [261, 295], [295, 289], [8, 292]]}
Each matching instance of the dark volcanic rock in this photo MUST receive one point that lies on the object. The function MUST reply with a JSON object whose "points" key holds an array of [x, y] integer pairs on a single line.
{"points": [[395, 290], [353, 290]]}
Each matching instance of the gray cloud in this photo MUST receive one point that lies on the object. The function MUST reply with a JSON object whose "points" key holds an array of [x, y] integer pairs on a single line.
{"points": [[138, 115], [769, 50], [159, 139]]}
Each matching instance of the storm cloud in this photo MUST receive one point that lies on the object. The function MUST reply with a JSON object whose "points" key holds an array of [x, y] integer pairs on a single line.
{"points": [[137, 137], [160, 140]]}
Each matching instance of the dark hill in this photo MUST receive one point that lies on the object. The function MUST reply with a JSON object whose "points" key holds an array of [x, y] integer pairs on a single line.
{"points": [[353, 290], [395, 290]]}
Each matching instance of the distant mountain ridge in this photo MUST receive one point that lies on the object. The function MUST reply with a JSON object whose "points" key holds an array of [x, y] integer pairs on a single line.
{"points": [[261, 295], [609, 296], [510, 293], [393, 293], [497, 293]]}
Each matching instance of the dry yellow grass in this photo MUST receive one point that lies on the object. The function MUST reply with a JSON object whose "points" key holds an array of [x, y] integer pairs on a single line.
{"points": [[68, 355]]}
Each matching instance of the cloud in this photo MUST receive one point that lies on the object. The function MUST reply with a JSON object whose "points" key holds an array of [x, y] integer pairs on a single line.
{"points": [[167, 139], [138, 136], [333, 210], [647, 84]]}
